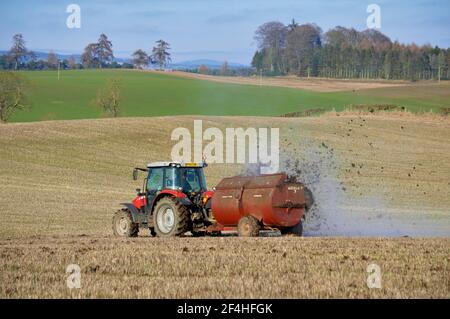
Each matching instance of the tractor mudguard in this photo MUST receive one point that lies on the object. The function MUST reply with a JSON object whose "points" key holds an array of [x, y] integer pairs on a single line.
{"points": [[137, 216], [184, 201]]}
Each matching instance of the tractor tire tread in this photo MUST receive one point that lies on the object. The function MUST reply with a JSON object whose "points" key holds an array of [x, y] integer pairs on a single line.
{"points": [[253, 226], [134, 229], [181, 212]]}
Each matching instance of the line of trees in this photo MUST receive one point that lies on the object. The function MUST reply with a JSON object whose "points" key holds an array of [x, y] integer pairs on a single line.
{"points": [[95, 55], [160, 56], [304, 50]]}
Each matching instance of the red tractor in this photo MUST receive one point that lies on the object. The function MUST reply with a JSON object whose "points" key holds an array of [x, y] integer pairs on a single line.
{"points": [[173, 201]]}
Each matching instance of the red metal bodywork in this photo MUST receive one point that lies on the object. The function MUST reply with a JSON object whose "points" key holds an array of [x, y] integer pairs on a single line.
{"points": [[140, 201], [175, 193], [207, 195], [272, 199], [170, 192]]}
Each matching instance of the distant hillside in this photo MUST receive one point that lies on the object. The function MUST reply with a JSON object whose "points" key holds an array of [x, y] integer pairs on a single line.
{"points": [[189, 64], [43, 56]]}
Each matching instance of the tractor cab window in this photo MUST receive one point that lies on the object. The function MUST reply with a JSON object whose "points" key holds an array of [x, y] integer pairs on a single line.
{"points": [[171, 178], [155, 179], [193, 180]]}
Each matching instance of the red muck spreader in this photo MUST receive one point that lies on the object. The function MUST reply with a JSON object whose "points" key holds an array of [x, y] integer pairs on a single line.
{"points": [[261, 202]]}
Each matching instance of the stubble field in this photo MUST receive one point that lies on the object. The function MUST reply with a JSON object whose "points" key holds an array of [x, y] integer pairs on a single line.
{"points": [[380, 176], [229, 267]]}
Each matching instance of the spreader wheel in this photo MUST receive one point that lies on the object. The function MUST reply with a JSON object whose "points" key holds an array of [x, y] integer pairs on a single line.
{"points": [[248, 226], [123, 225]]}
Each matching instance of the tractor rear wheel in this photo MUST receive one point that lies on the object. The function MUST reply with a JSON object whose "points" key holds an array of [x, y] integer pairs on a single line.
{"points": [[248, 226], [123, 225], [170, 218], [294, 230]]}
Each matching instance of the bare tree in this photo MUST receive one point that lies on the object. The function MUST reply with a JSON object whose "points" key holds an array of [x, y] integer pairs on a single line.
{"points": [[104, 50], [18, 52], [224, 70], [108, 99], [301, 44], [271, 37], [12, 98], [72, 62], [52, 60], [89, 57], [160, 54], [140, 59]]}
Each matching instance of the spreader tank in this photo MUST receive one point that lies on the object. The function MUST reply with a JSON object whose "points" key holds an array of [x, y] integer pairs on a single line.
{"points": [[272, 199]]}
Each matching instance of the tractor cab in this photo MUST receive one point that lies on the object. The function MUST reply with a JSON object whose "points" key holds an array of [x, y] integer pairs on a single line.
{"points": [[178, 178], [187, 178]]}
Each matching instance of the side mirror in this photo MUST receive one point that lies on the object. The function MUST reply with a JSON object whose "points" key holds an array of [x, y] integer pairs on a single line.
{"points": [[135, 174]]}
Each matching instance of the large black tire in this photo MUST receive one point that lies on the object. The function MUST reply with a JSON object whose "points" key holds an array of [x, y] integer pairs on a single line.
{"points": [[170, 218], [294, 230], [123, 225], [248, 226]]}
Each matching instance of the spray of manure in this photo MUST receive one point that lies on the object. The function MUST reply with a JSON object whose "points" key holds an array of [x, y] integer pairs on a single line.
{"points": [[335, 212]]}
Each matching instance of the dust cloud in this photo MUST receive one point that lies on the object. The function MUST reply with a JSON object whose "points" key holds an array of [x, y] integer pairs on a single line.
{"points": [[336, 212]]}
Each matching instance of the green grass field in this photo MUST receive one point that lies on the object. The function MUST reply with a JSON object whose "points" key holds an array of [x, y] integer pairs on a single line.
{"points": [[150, 94]]}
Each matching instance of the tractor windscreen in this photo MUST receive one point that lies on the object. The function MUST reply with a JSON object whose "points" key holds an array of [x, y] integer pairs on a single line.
{"points": [[189, 179]]}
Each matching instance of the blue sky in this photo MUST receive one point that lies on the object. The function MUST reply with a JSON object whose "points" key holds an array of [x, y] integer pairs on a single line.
{"points": [[211, 29]]}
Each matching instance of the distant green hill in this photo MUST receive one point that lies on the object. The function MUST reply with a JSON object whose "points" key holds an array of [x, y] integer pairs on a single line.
{"points": [[150, 94]]}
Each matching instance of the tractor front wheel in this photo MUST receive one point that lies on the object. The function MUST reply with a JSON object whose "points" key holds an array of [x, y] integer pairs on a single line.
{"points": [[248, 226], [170, 218], [123, 225]]}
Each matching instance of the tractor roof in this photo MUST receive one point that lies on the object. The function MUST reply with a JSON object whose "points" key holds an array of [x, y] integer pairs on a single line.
{"points": [[176, 164]]}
